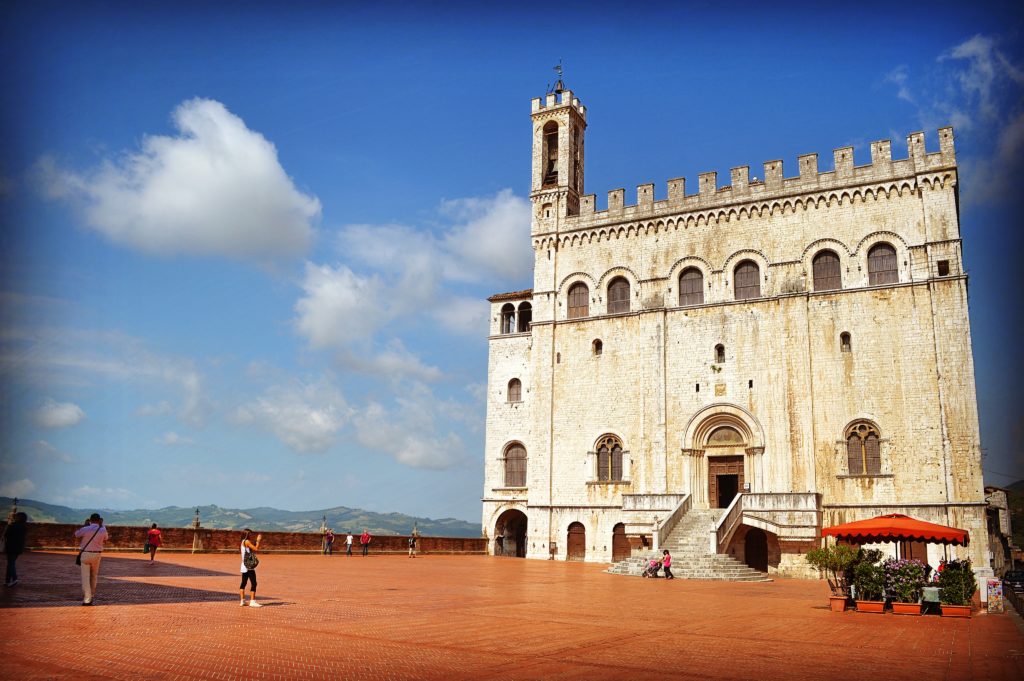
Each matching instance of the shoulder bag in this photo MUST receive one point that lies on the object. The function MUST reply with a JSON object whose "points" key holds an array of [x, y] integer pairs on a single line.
{"points": [[250, 561], [78, 558]]}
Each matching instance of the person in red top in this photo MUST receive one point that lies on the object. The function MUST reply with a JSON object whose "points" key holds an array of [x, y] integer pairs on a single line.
{"points": [[153, 538], [666, 564], [364, 540]]}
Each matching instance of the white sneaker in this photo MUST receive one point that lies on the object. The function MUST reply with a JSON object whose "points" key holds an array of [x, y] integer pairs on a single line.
{"points": [[254, 604], [241, 603]]}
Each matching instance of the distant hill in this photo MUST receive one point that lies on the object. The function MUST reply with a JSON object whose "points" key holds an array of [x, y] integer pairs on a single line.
{"points": [[263, 518]]}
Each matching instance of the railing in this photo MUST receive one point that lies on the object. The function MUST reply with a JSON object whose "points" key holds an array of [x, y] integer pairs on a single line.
{"points": [[663, 529], [728, 522], [651, 502]]}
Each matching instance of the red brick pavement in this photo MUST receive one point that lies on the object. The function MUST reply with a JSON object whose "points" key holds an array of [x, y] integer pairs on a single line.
{"points": [[465, 617]]}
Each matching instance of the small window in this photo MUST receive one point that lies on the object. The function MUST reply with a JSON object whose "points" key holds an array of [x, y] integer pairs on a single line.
{"points": [[863, 453], [827, 275], [943, 268], [691, 287], [515, 465], [719, 354], [598, 347], [525, 317], [609, 459], [747, 280], [750, 384], [515, 390], [882, 265], [508, 318], [579, 300], [698, 388], [845, 343], [618, 295], [558, 358]]}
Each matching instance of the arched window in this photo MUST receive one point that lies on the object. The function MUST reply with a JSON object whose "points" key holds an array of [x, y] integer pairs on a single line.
{"points": [[618, 295], [508, 318], [609, 459], [882, 265], [550, 157], [691, 287], [747, 280], [863, 454], [845, 342], [579, 300], [515, 465], [827, 274], [525, 317], [719, 354], [515, 390], [597, 346]]}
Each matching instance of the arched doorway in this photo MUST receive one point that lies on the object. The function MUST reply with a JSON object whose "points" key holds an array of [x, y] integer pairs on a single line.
{"points": [[756, 549], [620, 543], [510, 534], [724, 446], [576, 542]]}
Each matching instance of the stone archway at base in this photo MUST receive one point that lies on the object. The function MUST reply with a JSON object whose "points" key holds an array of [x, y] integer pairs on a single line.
{"points": [[755, 549], [576, 542], [620, 543], [510, 534]]}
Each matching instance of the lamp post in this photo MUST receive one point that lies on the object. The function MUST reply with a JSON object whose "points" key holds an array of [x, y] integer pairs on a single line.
{"points": [[323, 534], [196, 544]]}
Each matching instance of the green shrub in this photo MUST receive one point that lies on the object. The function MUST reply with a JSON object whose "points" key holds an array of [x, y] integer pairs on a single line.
{"points": [[957, 582], [869, 580], [834, 561]]}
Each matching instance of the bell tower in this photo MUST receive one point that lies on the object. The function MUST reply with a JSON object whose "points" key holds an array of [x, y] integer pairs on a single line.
{"points": [[559, 124]]}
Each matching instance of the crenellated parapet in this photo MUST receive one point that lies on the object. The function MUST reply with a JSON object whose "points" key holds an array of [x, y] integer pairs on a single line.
{"points": [[774, 188], [555, 100]]}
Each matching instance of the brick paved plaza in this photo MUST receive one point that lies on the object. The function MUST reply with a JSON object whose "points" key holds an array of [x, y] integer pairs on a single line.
{"points": [[465, 617]]}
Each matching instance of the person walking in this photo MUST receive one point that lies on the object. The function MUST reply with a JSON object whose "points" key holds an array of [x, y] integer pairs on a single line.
{"points": [[154, 538], [249, 548], [364, 540], [666, 564], [348, 544], [14, 545], [329, 543], [412, 545], [93, 536]]}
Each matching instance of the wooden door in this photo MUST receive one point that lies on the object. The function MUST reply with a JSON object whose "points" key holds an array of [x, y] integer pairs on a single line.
{"points": [[576, 542], [723, 465], [914, 550], [620, 543]]}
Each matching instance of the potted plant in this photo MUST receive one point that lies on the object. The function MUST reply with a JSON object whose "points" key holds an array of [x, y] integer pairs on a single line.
{"points": [[869, 583], [904, 580], [957, 584], [833, 562]]}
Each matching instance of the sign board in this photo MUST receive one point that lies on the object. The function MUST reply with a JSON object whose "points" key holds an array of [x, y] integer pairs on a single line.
{"points": [[995, 595]]}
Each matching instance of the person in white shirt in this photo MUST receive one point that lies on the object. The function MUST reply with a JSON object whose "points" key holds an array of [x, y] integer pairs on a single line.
{"points": [[348, 544], [92, 537]]}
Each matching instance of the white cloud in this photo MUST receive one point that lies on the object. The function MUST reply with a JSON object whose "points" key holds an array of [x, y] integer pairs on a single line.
{"points": [[47, 452], [339, 306], [409, 433], [216, 188], [162, 408], [492, 238], [53, 414], [98, 496], [172, 439], [395, 362], [45, 356], [306, 416], [17, 488], [467, 316]]}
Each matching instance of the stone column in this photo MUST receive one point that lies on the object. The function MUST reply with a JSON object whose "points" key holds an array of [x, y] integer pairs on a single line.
{"points": [[696, 476], [752, 468]]}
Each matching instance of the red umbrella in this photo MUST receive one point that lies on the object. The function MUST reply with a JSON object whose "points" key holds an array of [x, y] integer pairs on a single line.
{"points": [[896, 527]]}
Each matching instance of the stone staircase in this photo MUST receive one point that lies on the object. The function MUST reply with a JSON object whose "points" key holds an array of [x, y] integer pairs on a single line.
{"points": [[691, 556]]}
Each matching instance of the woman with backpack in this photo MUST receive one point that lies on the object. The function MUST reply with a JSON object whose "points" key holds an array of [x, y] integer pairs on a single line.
{"points": [[249, 563]]}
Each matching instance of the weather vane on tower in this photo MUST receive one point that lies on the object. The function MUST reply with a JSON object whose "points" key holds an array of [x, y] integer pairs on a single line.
{"points": [[559, 85]]}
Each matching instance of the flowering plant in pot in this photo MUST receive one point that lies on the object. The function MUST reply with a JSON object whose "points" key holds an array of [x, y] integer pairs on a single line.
{"points": [[834, 562], [869, 582], [904, 580], [957, 584]]}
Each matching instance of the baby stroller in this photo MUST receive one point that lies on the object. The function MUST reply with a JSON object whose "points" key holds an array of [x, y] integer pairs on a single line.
{"points": [[652, 569]]}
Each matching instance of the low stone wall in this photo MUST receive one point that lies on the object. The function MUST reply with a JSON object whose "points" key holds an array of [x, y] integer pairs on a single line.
{"points": [[56, 536]]}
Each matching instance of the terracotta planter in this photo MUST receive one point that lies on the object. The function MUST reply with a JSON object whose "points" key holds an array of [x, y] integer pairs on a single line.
{"points": [[871, 606], [906, 608], [956, 610], [838, 603]]}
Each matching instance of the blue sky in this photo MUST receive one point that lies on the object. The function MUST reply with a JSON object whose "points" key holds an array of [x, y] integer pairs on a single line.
{"points": [[246, 248]]}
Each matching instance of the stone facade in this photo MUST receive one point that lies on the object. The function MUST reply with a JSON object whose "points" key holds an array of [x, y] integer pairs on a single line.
{"points": [[726, 360]]}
